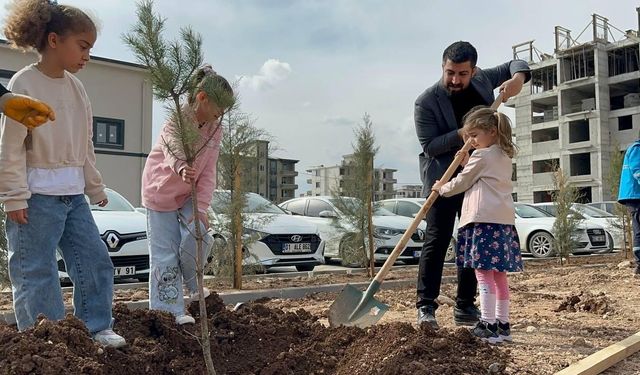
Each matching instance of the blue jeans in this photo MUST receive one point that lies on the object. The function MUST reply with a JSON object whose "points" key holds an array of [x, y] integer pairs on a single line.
{"points": [[172, 252], [65, 222]]}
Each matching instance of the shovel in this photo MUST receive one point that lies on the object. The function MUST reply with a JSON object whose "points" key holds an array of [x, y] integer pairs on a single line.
{"points": [[356, 308]]}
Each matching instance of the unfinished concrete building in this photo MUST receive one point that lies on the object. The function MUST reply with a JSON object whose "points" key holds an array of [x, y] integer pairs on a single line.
{"points": [[582, 104]]}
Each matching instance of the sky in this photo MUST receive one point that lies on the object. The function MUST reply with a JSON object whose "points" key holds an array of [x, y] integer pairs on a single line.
{"points": [[310, 69]]}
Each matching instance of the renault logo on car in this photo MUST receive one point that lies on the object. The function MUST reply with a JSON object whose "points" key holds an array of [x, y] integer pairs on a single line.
{"points": [[112, 240], [296, 238], [421, 234]]}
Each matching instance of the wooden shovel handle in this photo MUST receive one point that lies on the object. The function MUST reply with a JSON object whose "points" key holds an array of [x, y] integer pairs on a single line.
{"points": [[426, 206]]}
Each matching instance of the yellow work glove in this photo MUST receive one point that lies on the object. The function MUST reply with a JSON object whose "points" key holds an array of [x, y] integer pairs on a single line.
{"points": [[26, 110]]}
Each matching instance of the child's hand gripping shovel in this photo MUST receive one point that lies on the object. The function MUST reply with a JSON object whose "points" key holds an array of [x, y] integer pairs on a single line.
{"points": [[355, 308]]}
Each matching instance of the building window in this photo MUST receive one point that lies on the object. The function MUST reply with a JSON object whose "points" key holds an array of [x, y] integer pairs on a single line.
{"points": [[578, 131], [514, 172], [261, 168], [542, 196], [514, 196], [625, 122], [580, 164], [544, 135], [545, 166], [584, 195], [317, 184], [108, 133]]}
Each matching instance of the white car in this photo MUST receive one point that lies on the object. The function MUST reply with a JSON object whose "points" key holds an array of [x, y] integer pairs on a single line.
{"points": [[609, 222], [388, 228], [535, 229], [275, 237], [124, 231]]}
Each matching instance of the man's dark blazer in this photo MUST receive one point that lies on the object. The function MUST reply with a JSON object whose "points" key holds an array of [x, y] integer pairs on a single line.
{"points": [[436, 122]]}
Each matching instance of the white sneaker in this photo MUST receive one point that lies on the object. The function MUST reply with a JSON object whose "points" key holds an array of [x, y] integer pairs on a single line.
{"points": [[185, 319], [109, 338], [195, 296]]}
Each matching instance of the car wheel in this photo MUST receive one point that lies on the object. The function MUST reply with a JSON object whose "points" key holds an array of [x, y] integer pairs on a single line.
{"points": [[305, 267], [541, 245], [450, 256], [609, 249]]}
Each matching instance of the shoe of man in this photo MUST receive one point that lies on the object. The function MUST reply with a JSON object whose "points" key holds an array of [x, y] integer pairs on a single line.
{"points": [[109, 338], [466, 316], [427, 314]]}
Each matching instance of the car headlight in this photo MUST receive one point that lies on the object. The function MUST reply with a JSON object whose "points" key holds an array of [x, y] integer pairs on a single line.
{"points": [[385, 232], [253, 235]]}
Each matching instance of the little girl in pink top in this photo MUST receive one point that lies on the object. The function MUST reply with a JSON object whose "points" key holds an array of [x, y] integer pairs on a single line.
{"points": [[487, 237], [166, 193]]}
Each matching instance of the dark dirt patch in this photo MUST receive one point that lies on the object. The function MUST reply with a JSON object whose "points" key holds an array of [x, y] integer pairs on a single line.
{"points": [[587, 302], [255, 339]]}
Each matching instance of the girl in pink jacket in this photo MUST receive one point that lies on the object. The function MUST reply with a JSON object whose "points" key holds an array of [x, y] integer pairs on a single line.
{"points": [[487, 237], [166, 193]]}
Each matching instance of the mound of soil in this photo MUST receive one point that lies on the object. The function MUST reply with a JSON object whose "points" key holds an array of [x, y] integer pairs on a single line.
{"points": [[253, 339], [587, 302]]}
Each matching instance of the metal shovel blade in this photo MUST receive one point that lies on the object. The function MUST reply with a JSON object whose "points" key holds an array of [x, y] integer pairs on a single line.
{"points": [[353, 307]]}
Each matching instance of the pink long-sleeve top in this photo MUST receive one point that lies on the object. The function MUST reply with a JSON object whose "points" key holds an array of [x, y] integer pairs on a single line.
{"points": [[163, 188]]}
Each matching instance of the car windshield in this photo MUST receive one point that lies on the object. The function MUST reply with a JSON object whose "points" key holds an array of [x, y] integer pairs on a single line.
{"points": [[256, 204], [116, 203], [352, 203], [591, 211], [529, 212]]}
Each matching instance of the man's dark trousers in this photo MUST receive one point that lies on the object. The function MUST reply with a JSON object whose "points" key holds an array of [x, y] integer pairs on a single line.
{"points": [[440, 221]]}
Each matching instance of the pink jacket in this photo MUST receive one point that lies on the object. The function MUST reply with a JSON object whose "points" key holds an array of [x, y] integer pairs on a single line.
{"points": [[486, 181], [162, 186]]}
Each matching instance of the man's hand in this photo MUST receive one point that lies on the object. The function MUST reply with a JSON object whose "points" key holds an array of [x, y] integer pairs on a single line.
{"points": [[19, 216], [103, 202], [26, 110], [188, 174], [513, 86]]}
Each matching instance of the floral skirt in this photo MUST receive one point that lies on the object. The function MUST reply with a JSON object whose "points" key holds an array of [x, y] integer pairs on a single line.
{"points": [[489, 246]]}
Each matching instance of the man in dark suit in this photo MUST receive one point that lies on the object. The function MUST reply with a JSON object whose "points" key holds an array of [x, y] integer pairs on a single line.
{"points": [[438, 117]]}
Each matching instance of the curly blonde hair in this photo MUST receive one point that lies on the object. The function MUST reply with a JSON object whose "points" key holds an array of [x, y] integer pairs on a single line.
{"points": [[29, 22], [485, 118]]}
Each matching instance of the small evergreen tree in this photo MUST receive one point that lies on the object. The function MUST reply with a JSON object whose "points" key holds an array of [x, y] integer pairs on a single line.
{"points": [[566, 223], [613, 180], [171, 67], [354, 199]]}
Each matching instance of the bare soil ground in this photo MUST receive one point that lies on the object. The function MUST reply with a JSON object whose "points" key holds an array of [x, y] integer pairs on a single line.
{"points": [[559, 315]]}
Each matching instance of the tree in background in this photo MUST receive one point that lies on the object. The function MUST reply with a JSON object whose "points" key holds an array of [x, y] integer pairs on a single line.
{"points": [[354, 199], [613, 180], [171, 67], [566, 223], [238, 155]]}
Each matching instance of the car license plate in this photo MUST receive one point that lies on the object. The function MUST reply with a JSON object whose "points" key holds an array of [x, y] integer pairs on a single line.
{"points": [[597, 239], [416, 254], [303, 247], [124, 271]]}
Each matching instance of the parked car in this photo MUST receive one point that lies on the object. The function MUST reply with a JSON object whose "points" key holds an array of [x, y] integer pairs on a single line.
{"points": [[535, 229], [124, 231], [611, 223], [609, 206], [388, 228], [276, 238]]}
